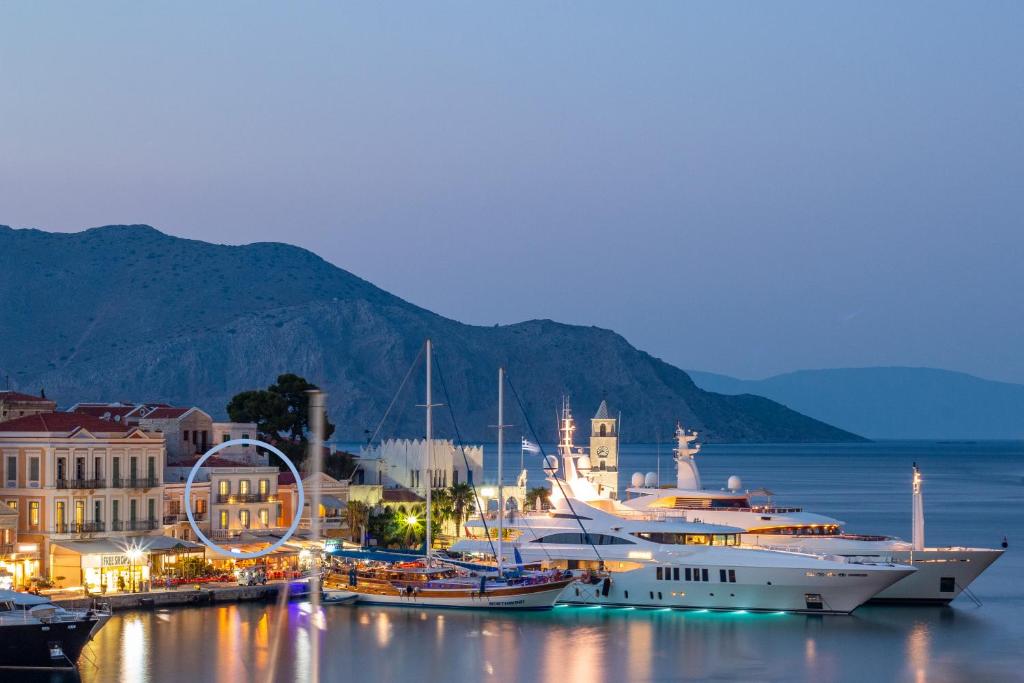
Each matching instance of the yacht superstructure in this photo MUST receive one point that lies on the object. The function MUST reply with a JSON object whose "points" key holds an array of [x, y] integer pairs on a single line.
{"points": [[943, 573], [680, 564]]}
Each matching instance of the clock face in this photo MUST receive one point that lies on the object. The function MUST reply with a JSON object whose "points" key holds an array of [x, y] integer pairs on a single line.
{"points": [[602, 452]]}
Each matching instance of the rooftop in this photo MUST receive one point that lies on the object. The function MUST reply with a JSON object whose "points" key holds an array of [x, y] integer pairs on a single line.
{"points": [[61, 422], [8, 395]]}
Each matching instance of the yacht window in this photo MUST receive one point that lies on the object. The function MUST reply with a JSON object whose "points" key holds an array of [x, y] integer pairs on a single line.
{"points": [[659, 570], [689, 574], [722, 576], [675, 573], [732, 576], [703, 574], [583, 539]]}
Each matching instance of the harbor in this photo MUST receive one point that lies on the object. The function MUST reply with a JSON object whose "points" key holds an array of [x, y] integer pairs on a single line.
{"points": [[975, 493]]}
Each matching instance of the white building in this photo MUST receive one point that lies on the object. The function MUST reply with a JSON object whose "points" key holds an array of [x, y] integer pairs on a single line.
{"points": [[399, 463], [243, 455]]}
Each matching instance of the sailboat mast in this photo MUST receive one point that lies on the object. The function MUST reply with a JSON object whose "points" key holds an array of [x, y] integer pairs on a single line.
{"points": [[917, 542], [429, 444], [501, 478]]}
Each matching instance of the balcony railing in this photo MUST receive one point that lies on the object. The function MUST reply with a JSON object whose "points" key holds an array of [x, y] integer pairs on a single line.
{"points": [[81, 483], [183, 518], [6, 548], [133, 525], [134, 482], [232, 498], [226, 534], [79, 527]]}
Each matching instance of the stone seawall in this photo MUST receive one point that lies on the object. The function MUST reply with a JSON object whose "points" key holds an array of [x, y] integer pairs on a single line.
{"points": [[182, 596]]}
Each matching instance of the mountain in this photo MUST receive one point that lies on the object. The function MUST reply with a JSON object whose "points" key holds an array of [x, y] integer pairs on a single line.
{"points": [[129, 313], [892, 402]]}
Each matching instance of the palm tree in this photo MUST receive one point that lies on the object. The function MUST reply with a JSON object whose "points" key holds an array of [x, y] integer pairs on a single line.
{"points": [[442, 509], [358, 514], [537, 493], [463, 504]]}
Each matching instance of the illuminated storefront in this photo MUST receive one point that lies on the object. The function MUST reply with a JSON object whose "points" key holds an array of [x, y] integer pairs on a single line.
{"points": [[119, 564]]}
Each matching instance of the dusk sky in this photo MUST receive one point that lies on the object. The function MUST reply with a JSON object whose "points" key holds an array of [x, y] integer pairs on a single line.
{"points": [[747, 188]]}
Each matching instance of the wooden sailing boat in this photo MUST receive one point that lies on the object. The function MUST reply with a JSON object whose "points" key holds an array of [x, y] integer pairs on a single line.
{"points": [[433, 583]]}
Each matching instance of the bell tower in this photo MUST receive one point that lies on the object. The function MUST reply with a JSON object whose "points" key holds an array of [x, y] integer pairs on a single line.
{"points": [[604, 451]]}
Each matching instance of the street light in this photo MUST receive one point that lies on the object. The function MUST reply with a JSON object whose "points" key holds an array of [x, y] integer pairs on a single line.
{"points": [[134, 554]]}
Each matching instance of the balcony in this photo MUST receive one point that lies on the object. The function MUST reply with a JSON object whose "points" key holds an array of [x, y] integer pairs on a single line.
{"points": [[134, 482], [81, 483], [182, 518], [228, 534], [79, 528], [234, 498], [133, 525]]}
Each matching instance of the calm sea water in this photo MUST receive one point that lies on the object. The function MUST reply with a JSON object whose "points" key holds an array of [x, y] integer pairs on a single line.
{"points": [[974, 494]]}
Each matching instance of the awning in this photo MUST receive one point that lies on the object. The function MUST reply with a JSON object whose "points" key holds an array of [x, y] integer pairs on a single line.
{"points": [[331, 502], [147, 544]]}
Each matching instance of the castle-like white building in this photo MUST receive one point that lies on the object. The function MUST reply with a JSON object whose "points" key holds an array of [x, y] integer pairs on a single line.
{"points": [[399, 463]]}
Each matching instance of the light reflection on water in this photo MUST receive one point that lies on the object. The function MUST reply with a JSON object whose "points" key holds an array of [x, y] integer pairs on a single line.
{"points": [[974, 494]]}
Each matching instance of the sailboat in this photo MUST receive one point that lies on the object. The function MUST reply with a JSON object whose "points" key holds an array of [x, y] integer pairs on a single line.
{"points": [[377, 578]]}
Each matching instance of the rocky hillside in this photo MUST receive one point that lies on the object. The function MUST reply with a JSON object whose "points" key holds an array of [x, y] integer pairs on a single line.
{"points": [[129, 313]]}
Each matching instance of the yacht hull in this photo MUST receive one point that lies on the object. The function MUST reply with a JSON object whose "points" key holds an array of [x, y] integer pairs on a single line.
{"points": [[540, 596], [768, 589], [29, 645], [942, 575]]}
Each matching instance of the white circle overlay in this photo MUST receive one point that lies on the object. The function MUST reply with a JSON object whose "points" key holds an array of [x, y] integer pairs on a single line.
{"points": [[188, 499]]}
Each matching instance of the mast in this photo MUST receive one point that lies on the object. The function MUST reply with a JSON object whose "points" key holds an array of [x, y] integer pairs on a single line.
{"points": [[918, 514], [429, 445], [501, 478]]}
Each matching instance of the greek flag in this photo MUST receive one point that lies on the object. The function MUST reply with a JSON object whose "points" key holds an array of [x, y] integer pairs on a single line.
{"points": [[529, 446]]}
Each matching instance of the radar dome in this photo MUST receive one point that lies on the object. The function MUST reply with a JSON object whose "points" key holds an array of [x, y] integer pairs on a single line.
{"points": [[550, 464], [650, 479], [583, 464], [735, 483], [637, 480]]}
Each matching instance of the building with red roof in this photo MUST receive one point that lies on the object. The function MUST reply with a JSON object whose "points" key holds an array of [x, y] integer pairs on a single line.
{"points": [[14, 404]]}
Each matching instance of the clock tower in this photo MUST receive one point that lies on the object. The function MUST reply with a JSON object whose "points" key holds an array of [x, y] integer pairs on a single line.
{"points": [[604, 452]]}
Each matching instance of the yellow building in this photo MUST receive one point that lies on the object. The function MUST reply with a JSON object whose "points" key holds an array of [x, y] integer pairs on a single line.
{"points": [[604, 452], [74, 478]]}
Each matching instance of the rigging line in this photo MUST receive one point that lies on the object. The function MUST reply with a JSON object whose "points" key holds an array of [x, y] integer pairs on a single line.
{"points": [[462, 449], [543, 455], [394, 399]]}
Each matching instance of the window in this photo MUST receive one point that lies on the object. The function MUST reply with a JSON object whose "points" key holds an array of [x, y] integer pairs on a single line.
{"points": [[243, 517], [133, 468], [60, 515], [722, 576], [264, 517], [603, 431], [225, 438], [264, 487], [675, 573], [243, 486], [33, 513], [151, 509], [659, 574], [703, 574], [97, 511], [223, 519], [97, 468], [79, 468], [455, 477], [947, 584], [133, 510], [115, 511], [116, 469], [224, 487], [732, 576], [61, 470], [79, 512], [245, 436], [689, 574], [12, 470], [13, 504], [151, 468], [185, 436], [583, 539], [33, 472]]}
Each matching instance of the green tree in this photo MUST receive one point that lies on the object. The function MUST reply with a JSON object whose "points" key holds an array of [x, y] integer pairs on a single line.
{"points": [[382, 525], [281, 414], [358, 514], [463, 504], [535, 494], [442, 510]]}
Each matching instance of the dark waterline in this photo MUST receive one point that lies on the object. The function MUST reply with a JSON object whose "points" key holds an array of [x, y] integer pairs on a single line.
{"points": [[974, 495]]}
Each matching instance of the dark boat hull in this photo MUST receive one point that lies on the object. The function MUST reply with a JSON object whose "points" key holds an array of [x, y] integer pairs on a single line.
{"points": [[29, 646]]}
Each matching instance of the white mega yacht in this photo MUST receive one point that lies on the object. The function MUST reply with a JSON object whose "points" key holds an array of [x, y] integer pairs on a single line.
{"points": [[942, 573], [675, 564]]}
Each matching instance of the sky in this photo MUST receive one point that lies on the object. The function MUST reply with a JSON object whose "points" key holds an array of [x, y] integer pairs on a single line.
{"points": [[745, 187]]}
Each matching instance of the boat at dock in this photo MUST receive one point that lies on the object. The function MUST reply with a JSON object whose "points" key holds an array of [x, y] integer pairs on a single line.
{"points": [[37, 634], [942, 573]]}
